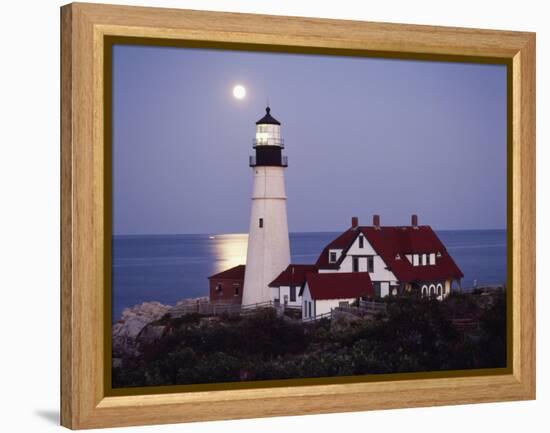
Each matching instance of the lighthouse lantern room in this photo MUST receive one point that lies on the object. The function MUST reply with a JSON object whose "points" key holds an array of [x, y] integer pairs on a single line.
{"points": [[268, 243]]}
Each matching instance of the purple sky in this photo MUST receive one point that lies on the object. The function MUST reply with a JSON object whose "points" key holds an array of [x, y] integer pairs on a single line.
{"points": [[363, 136]]}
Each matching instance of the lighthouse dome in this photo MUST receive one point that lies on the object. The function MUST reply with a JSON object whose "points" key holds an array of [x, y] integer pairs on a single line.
{"points": [[268, 143], [268, 119]]}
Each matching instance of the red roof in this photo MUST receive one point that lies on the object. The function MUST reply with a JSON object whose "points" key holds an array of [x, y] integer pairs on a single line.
{"points": [[342, 242], [339, 285], [293, 275], [235, 273], [392, 244]]}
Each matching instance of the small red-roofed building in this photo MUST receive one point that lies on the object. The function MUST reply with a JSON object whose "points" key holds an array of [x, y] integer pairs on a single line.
{"points": [[322, 293], [288, 284], [227, 286]]}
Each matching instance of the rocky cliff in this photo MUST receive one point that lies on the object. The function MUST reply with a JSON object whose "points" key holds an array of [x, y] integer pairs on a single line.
{"points": [[134, 320]]}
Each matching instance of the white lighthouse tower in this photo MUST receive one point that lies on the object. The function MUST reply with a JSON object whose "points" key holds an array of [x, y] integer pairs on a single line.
{"points": [[268, 245]]}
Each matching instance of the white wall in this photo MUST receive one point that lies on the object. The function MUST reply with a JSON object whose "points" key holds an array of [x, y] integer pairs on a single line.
{"points": [[323, 306], [380, 272], [285, 291], [366, 250], [268, 251], [306, 299], [448, 285], [319, 306], [29, 177]]}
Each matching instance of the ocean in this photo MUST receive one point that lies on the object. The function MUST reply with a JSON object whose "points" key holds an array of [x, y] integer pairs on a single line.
{"points": [[167, 268]]}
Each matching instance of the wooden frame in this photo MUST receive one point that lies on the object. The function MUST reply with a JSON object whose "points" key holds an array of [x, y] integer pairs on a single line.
{"points": [[84, 403]]}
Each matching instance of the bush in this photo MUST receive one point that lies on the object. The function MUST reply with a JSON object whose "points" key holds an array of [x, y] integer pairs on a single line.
{"points": [[414, 335]]}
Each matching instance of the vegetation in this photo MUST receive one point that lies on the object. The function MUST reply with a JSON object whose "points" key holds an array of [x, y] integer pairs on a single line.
{"points": [[414, 335]]}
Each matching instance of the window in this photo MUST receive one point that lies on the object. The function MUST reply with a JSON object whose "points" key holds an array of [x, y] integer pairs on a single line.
{"points": [[355, 264], [376, 286], [332, 257], [432, 290], [424, 259], [415, 259], [432, 259], [424, 291], [343, 304], [237, 290], [219, 287], [384, 289], [309, 308], [370, 264], [361, 242], [261, 223], [292, 294], [440, 290]]}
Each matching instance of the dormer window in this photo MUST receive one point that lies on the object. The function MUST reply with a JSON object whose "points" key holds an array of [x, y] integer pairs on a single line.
{"points": [[332, 257], [361, 242]]}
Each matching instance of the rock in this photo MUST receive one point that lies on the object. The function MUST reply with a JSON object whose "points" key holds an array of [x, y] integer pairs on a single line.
{"points": [[133, 320], [149, 334]]}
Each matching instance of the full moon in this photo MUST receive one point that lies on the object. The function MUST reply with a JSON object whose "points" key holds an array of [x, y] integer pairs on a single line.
{"points": [[239, 92]]}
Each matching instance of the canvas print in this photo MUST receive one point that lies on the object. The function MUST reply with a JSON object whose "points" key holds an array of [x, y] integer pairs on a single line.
{"points": [[291, 216]]}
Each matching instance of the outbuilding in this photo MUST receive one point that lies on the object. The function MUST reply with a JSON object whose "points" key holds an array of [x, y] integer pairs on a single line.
{"points": [[323, 292], [288, 284], [227, 286]]}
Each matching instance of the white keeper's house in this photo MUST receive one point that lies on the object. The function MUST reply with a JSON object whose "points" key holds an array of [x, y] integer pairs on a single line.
{"points": [[364, 262], [398, 259]]}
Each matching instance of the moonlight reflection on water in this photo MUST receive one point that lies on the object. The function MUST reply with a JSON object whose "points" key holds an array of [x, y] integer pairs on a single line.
{"points": [[228, 250]]}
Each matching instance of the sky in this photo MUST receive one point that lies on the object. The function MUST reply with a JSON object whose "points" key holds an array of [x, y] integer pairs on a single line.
{"points": [[363, 136]]}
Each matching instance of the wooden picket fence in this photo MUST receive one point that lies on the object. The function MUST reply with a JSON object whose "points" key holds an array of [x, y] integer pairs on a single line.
{"points": [[206, 308], [218, 308]]}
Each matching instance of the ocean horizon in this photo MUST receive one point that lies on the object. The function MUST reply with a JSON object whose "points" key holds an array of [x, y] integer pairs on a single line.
{"points": [[170, 267]]}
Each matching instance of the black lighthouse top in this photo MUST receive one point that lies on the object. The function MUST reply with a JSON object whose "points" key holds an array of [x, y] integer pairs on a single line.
{"points": [[268, 143], [268, 119]]}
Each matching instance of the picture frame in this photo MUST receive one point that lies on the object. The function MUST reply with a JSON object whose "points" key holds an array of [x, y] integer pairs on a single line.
{"points": [[87, 33]]}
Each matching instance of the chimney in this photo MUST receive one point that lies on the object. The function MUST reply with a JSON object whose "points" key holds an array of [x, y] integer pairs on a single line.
{"points": [[376, 221], [414, 221], [354, 222]]}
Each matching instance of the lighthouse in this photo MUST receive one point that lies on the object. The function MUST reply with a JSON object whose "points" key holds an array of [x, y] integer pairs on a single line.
{"points": [[268, 244]]}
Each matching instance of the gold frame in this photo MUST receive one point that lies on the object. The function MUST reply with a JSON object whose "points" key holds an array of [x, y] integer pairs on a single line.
{"points": [[86, 400]]}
